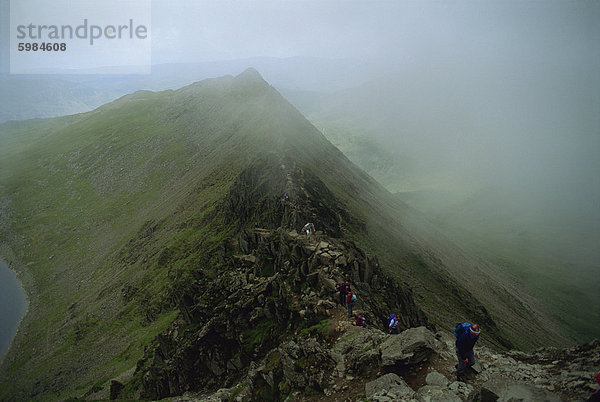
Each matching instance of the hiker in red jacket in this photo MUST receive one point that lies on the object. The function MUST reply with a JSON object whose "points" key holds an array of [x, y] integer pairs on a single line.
{"points": [[350, 299], [360, 321]]}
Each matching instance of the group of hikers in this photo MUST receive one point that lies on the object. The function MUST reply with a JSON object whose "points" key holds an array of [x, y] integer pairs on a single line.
{"points": [[347, 297], [466, 334]]}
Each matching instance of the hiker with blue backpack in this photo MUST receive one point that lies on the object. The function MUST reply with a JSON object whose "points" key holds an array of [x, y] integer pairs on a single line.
{"points": [[393, 324], [466, 338]]}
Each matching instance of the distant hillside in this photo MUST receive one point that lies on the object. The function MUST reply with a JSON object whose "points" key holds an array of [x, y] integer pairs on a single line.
{"points": [[115, 217], [554, 254], [40, 96], [501, 164], [27, 98]]}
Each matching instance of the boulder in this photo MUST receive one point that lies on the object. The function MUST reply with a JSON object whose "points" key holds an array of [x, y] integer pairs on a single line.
{"points": [[412, 346], [437, 379], [503, 389], [477, 367], [433, 393], [305, 363], [388, 384], [360, 351], [482, 395]]}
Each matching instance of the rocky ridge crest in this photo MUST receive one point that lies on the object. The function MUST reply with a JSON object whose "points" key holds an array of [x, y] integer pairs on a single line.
{"points": [[268, 327], [274, 287]]}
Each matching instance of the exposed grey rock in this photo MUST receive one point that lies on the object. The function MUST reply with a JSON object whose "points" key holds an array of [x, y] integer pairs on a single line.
{"points": [[306, 364], [433, 393], [507, 390], [454, 386], [388, 383], [477, 367], [412, 346], [482, 395], [435, 378], [361, 351]]}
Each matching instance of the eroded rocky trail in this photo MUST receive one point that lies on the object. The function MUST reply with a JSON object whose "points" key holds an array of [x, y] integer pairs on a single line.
{"points": [[269, 327]]}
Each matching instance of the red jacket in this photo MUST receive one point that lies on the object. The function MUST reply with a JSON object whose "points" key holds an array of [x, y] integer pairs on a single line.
{"points": [[348, 297]]}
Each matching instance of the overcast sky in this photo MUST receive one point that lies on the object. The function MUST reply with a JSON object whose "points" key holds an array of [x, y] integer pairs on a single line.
{"points": [[185, 30], [209, 30]]}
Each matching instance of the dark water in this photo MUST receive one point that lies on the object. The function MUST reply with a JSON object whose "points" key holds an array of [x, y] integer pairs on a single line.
{"points": [[13, 305]]}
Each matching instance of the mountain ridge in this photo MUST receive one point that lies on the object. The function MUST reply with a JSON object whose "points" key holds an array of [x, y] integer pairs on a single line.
{"points": [[138, 198]]}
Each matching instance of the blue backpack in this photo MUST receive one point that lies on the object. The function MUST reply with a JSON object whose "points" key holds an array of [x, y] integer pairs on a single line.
{"points": [[461, 328]]}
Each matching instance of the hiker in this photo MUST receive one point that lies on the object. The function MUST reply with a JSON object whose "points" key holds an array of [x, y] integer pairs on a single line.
{"points": [[309, 228], [596, 395], [466, 337], [256, 225], [360, 321], [343, 288], [393, 324], [350, 300], [285, 196]]}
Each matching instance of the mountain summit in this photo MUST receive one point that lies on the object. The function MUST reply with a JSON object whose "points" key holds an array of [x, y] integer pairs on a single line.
{"points": [[250, 75], [129, 225]]}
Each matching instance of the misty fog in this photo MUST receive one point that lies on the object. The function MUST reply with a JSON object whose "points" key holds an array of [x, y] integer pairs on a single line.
{"points": [[487, 112]]}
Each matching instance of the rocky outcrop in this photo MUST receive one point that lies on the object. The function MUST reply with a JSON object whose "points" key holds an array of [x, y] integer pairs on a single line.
{"points": [[501, 389], [304, 364], [273, 289], [300, 368], [264, 323], [256, 196], [414, 346], [389, 387]]}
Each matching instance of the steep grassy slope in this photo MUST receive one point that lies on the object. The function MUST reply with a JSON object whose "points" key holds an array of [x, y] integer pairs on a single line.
{"points": [[110, 215]]}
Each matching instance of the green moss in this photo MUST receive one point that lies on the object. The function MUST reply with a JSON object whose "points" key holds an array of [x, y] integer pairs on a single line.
{"points": [[267, 270], [273, 360], [310, 391], [265, 330], [320, 329], [238, 388], [300, 363], [284, 388]]}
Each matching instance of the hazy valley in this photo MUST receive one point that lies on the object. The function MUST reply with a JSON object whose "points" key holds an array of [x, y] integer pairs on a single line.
{"points": [[506, 171]]}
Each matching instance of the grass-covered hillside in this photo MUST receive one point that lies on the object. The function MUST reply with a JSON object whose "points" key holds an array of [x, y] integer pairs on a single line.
{"points": [[109, 216]]}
